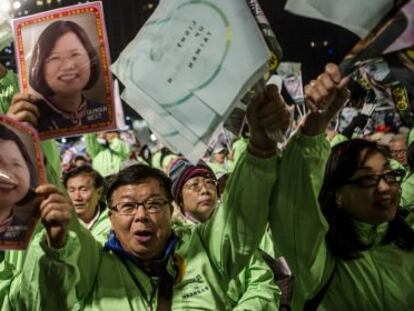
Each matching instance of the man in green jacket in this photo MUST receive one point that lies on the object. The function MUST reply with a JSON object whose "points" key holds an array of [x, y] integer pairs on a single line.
{"points": [[85, 187], [145, 263], [107, 151], [194, 189]]}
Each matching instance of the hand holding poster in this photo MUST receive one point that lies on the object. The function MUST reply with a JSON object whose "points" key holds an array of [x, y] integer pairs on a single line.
{"points": [[21, 171], [63, 58], [188, 66]]}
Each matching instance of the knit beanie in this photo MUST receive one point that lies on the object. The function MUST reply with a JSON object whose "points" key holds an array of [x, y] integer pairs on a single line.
{"points": [[182, 170]]}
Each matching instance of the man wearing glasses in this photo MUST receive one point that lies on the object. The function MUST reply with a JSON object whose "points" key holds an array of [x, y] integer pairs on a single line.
{"points": [[145, 264]]}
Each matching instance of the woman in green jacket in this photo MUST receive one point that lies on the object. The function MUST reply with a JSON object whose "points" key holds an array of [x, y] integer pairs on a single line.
{"points": [[347, 242], [194, 189]]}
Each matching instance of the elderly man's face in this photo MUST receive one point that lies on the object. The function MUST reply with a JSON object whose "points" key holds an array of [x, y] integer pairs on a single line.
{"points": [[399, 151], [143, 233], [84, 196]]}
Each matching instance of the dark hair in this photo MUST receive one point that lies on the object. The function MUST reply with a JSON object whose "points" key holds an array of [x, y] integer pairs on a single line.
{"points": [[136, 174], [44, 46], [80, 157], [342, 238], [410, 157], [98, 180], [7, 134]]}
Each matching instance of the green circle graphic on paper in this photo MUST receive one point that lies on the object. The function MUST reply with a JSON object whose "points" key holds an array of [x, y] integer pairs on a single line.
{"points": [[216, 71]]}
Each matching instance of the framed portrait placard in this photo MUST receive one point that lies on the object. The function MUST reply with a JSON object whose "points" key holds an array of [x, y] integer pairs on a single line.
{"points": [[63, 60], [21, 172]]}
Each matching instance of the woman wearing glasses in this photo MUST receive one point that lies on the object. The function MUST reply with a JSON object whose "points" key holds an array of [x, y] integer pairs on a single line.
{"points": [[340, 227], [195, 191], [64, 64]]}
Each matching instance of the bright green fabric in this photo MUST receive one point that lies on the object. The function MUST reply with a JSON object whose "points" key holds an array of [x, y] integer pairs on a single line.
{"points": [[267, 244], [410, 137], [239, 146], [209, 255], [381, 279], [156, 160], [101, 227], [6, 277], [338, 138], [407, 192], [107, 160], [254, 288]]}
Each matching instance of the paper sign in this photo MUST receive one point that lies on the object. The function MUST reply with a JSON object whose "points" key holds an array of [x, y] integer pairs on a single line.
{"points": [[189, 64], [21, 172], [63, 57]]}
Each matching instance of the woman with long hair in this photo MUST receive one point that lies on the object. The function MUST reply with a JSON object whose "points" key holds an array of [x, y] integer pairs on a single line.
{"points": [[336, 218]]}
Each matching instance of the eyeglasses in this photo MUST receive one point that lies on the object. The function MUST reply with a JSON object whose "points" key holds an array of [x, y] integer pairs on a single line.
{"points": [[196, 185], [151, 206], [73, 57], [392, 177]]}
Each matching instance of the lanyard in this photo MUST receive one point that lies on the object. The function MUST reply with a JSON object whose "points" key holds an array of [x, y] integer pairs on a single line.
{"points": [[139, 285]]}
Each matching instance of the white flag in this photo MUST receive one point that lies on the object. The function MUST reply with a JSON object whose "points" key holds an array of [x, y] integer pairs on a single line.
{"points": [[188, 66], [358, 16]]}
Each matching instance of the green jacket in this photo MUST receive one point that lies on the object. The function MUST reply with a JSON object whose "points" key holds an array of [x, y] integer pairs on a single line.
{"points": [[101, 228], [107, 160], [254, 287], [206, 257], [237, 149], [6, 276], [381, 279], [407, 192]]}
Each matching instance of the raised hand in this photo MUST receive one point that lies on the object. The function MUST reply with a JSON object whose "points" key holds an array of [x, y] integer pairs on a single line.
{"points": [[267, 113], [55, 213], [324, 97], [24, 109]]}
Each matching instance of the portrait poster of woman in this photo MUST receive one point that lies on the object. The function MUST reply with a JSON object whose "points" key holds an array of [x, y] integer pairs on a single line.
{"points": [[63, 58], [21, 172]]}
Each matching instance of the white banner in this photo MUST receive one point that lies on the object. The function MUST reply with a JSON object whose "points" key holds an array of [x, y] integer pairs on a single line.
{"points": [[187, 67], [358, 16]]}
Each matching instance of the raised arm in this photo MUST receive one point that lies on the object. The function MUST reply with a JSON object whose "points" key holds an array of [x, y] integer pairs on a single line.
{"points": [[92, 145], [296, 221], [62, 261], [234, 232]]}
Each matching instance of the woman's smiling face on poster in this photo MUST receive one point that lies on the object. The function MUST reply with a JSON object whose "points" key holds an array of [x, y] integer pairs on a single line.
{"points": [[14, 174], [67, 68]]}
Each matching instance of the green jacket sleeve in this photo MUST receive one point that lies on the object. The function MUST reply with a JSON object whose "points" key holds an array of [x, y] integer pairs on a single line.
{"points": [[339, 138], [92, 145], [259, 291], [296, 221], [407, 192], [6, 278], [233, 233], [119, 147], [58, 279]]}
